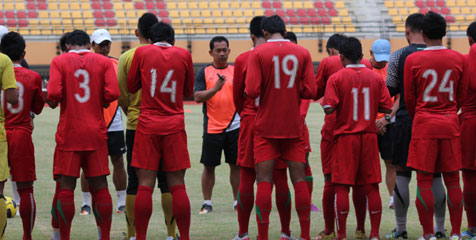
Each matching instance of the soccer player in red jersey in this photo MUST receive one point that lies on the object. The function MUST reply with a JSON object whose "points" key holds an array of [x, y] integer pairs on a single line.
{"points": [[435, 82], [165, 74], [468, 132], [280, 73], [18, 125], [247, 108], [83, 82], [356, 94]]}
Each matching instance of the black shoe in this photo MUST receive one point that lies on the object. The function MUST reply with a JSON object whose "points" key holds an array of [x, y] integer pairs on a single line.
{"points": [[206, 209], [121, 209], [440, 235], [85, 210], [395, 235]]}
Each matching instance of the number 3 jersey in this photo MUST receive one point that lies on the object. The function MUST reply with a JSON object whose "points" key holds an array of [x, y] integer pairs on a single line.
{"points": [[82, 82], [435, 81], [357, 93], [280, 73], [165, 74]]}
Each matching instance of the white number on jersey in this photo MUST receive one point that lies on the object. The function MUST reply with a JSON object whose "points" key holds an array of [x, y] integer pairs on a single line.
{"points": [[290, 72], [84, 85], [442, 88], [163, 88], [366, 93]]}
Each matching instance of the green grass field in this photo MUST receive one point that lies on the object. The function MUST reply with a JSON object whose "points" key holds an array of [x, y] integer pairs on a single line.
{"points": [[220, 224]]}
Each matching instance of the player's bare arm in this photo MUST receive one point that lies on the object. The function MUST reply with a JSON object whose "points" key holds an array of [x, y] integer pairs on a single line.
{"points": [[11, 95], [203, 96]]}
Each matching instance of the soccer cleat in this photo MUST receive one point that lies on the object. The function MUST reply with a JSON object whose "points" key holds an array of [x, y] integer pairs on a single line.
{"points": [[360, 235], [323, 236], [374, 238], [440, 235], [314, 208], [206, 208], [284, 236], [395, 235], [423, 238], [121, 209], [85, 210], [466, 235], [245, 237], [455, 237], [391, 204]]}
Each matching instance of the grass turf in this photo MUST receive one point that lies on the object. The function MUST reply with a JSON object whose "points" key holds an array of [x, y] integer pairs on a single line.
{"points": [[221, 223]]}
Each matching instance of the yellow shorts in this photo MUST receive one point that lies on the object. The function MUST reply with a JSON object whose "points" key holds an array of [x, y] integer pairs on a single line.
{"points": [[4, 171]]}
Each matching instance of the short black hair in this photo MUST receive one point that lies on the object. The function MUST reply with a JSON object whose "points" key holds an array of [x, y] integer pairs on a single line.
{"points": [[218, 39], [255, 26], [273, 24], [434, 26], [62, 42], [335, 41], [161, 31], [415, 22], [471, 31], [351, 49], [291, 36], [145, 23], [77, 38], [13, 45]]}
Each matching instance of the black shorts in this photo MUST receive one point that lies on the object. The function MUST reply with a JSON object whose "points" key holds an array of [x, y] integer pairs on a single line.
{"points": [[214, 144], [401, 142], [132, 181], [115, 143], [385, 143]]}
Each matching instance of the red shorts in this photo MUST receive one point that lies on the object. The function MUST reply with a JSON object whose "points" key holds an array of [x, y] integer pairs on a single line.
{"points": [[272, 148], [21, 155], [68, 163], [435, 155], [326, 155], [468, 143], [355, 159], [245, 143], [307, 141], [168, 153]]}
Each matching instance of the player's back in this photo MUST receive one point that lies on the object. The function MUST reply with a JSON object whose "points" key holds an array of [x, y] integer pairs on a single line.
{"points": [[357, 93], [287, 75], [30, 100], [469, 108], [244, 105], [166, 75], [83, 82]]}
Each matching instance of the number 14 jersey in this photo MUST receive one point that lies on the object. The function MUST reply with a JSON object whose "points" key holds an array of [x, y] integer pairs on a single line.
{"points": [[435, 81]]}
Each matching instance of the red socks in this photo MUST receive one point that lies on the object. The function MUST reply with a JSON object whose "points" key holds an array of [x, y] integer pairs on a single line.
{"points": [[303, 208], [309, 179], [341, 208], [263, 208], [469, 192], [455, 200], [142, 211], [181, 210], [103, 211], [54, 207], [425, 202], [27, 211], [283, 199], [65, 206], [375, 208], [328, 207], [245, 198], [360, 204]]}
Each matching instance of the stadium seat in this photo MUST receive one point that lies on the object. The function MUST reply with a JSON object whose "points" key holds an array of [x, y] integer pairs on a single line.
{"points": [[318, 5], [245, 5], [85, 6], [224, 5], [182, 5], [399, 4], [214, 5], [343, 12], [287, 4], [163, 14], [280, 13], [461, 3], [322, 12], [255, 5], [311, 13], [277, 5], [241, 20], [161, 5], [32, 15], [21, 14], [294, 20], [450, 19], [30, 6], [308, 4], [459, 19], [403, 11], [455, 11], [340, 4], [465, 10], [471, 3], [42, 6], [305, 20], [389, 4], [297, 4], [238, 13], [227, 13], [216, 13], [139, 5], [470, 18], [332, 12], [450, 3], [440, 3], [290, 13], [430, 3], [329, 4], [393, 11], [184, 13]]}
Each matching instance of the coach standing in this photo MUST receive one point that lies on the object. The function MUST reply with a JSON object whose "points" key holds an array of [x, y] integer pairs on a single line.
{"points": [[221, 122]]}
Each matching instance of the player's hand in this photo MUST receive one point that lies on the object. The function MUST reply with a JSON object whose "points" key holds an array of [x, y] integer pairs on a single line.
{"points": [[220, 82], [52, 104], [381, 125]]}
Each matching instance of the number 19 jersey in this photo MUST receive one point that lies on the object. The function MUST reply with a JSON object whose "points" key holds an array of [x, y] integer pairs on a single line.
{"points": [[280, 73], [165, 74], [82, 82], [434, 81]]}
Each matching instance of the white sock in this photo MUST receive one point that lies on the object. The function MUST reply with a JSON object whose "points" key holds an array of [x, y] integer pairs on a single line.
{"points": [[56, 234], [208, 202], [86, 196], [235, 203], [16, 196], [121, 198], [99, 233], [440, 224]]}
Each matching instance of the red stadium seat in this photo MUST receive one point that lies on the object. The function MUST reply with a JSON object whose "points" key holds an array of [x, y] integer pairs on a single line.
{"points": [[268, 12], [311, 13], [294, 20], [161, 5], [107, 5], [318, 5], [440, 3], [2, 22], [11, 23], [329, 4], [322, 13], [266, 4], [21, 14], [285, 19], [291, 13], [23, 23], [149, 0], [419, 3], [42, 6], [430, 3], [326, 20], [450, 19], [305, 20], [109, 14], [166, 20], [139, 5], [96, 6], [111, 22], [280, 12], [315, 20], [445, 11], [32, 14], [332, 12], [277, 5], [424, 10], [98, 14], [30, 6], [100, 23], [10, 14], [301, 12], [436, 10], [1, 15], [154, 12], [163, 14], [150, 5]]}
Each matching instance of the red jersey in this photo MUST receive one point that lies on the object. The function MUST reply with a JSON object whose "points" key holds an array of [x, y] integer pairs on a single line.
{"points": [[435, 81], [83, 83], [165, 74], [30, 99], [357, 93], [280, 73], [468, 110], [243, 104], [326, 68]]}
